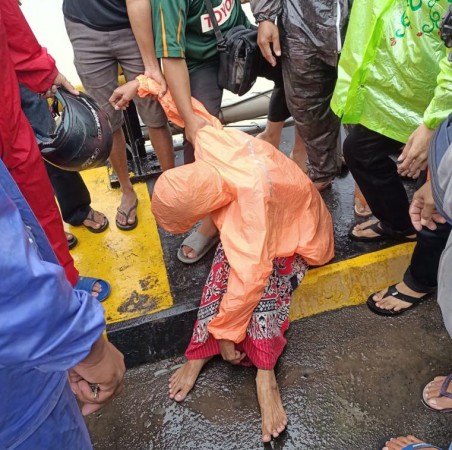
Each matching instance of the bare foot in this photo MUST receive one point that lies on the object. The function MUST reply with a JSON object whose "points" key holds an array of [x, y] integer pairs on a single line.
{"points": [[183, 380], [432, 395], [401, 442], [274, 419], [394, 303], [362, 209], [128, 200]]}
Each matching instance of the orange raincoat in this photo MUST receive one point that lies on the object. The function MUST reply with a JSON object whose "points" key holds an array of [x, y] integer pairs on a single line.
{"points": [[262, 203]]}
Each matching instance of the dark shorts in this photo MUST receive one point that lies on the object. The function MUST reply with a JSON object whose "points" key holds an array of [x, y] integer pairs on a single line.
{"points": [[96, 58]]}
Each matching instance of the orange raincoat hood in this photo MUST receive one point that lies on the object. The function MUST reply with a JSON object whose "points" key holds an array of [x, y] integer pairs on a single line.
{"points": [[262, 203]]}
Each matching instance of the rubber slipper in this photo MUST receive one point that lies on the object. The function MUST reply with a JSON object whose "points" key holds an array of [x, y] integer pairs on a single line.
{"points": [[393, 292], [72, 242], [128, 226], [87, 284], [199, 243], [103, 226], [382, 234], [420, 446], [442, 393]]}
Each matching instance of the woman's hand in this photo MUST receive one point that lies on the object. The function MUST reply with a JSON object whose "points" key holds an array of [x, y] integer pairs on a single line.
{"points": [[229, 353]]}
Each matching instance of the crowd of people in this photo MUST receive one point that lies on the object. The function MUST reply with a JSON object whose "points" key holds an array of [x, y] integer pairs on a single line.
{"points": [[379, 67]]}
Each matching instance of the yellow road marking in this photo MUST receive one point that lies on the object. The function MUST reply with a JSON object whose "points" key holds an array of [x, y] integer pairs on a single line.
{"points": [[131, 261]]}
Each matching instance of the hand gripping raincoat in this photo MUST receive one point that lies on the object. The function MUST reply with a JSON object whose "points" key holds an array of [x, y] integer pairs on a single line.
{"points": [[46, 327], [262, 203], [393, 71]]}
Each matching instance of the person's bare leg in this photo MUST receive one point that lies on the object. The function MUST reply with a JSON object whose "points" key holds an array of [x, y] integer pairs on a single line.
{"points": [[207, 228], [183, 380], [272, 133], [274, 418], [433, 397], [402, 442], [163, 146], [299, 154], [118, 159]]}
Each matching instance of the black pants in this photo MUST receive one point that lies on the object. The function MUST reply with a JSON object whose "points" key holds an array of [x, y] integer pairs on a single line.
{"points": [[367, 156], [72, 194], [422, 274]]}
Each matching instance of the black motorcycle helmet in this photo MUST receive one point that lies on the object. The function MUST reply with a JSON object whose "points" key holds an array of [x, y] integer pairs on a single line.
{"points": [[83, 139]]}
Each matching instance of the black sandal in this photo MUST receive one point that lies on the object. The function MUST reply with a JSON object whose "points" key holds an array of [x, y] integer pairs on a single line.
{"points": [[393, 292], [382, 234]]}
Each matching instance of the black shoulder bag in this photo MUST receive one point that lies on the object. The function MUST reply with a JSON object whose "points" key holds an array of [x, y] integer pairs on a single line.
{"points": [[240, 56]]}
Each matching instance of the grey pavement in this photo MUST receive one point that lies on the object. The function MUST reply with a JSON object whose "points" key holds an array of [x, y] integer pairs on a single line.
{"points": [[348, 378]]}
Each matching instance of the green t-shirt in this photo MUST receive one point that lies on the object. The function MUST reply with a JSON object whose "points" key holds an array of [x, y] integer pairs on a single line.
{"points": [[182, 28]]}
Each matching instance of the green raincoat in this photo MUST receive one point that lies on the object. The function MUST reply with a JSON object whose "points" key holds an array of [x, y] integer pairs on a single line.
{"points": [[393, 71]]}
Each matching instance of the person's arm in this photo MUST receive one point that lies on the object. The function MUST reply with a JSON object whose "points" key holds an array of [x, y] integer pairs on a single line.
{"points": [[139, 12], [266, 12], [33, 65], [414, 155], [176, 73]]}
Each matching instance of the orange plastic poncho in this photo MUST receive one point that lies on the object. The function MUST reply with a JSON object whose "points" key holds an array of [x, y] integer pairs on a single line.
{"points": [[263, 205]]}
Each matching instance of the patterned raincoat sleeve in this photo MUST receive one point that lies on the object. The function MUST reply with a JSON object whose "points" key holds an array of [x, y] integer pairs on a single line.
{"points": [[33, 65], [44, 323], [441, 104], [266, 9]]}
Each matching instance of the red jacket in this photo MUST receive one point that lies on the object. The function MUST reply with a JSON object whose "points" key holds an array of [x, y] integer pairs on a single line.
{"points": [[22, 59]]}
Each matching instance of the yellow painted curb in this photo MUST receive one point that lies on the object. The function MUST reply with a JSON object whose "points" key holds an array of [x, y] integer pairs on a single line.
{"points": [[349, 282], [131, 261]]}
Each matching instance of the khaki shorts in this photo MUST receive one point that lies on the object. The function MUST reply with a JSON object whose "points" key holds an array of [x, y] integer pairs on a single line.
{"points": [[96, 58]]}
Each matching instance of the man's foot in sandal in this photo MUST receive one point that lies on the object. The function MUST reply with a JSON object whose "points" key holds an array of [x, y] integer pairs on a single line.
{"points": [[373, 231], [437, 395], [408, 443], [395, 300], [126, 217], [71, 240], [95, 221], [97, 287]]}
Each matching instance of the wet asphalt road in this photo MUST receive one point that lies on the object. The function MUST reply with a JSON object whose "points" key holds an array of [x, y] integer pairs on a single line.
{"points": [[348, 378]]}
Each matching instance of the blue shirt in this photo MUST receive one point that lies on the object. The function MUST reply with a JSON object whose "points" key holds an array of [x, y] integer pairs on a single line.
{"points": [[46, 327]]}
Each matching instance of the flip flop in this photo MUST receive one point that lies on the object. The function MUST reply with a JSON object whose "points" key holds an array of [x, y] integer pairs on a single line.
{"points": [[128, 226], [102, 227], [442, 393], [199, 243], [71, 242], [87, 284], [419, 446], [393, 292], [382, 234]]}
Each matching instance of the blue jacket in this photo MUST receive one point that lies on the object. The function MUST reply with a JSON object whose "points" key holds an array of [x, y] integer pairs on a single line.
{"points": [[46, 327]]}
